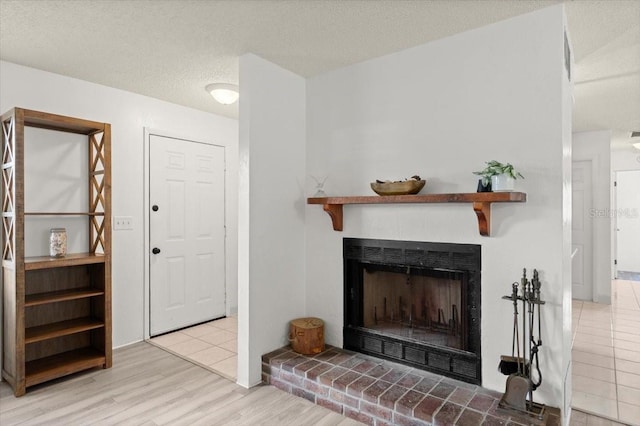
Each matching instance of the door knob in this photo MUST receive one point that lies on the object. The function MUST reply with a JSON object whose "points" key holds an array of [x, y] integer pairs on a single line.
{"points": [[154, 208], [155, 250]]}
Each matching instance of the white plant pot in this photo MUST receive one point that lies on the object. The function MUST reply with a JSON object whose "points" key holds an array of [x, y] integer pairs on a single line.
{"points": [[502, 183]]}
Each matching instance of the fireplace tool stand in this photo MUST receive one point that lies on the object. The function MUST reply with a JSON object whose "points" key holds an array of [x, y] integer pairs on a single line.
{"points": [[524, 371]]}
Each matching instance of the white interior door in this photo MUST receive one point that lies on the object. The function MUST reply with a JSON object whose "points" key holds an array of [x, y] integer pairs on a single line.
{"points": [[186, 233], [582, 229], [628, 220]]}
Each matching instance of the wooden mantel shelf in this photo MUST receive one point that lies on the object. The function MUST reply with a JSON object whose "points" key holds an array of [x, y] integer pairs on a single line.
{"points": [[481, 203]]}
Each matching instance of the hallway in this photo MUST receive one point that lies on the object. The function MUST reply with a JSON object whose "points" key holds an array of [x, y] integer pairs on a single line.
{"points": [[606, 354]]}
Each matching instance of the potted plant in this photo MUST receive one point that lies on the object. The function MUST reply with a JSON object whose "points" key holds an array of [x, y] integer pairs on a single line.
{"points": [[497, 177]]}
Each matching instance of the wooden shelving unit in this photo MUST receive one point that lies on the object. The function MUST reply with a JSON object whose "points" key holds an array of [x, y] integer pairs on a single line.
{"points": [[57, 311], [481, 204]]}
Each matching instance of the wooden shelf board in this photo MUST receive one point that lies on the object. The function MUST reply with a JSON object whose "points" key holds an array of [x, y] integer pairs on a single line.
{"points": [[64, 213], [61, 123], [61, 296], [74, 259], [464, 197], [58, 329], [52, 367], [481, 204]]}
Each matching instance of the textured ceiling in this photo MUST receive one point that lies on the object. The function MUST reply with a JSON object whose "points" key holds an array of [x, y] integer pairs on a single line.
{"points": [[171, 49]]}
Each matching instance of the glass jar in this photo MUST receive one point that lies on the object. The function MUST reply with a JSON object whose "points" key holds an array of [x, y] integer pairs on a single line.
{"points": [[58, 242]]}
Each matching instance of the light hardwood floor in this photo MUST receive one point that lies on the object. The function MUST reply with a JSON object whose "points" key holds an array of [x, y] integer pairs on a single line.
{"points": [[148, 386]]}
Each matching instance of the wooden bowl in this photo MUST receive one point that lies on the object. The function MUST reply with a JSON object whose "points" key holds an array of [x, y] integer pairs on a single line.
{"points": [[398, 188]]}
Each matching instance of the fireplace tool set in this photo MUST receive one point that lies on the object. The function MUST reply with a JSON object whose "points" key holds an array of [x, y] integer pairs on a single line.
{"points": [[523, 368]]}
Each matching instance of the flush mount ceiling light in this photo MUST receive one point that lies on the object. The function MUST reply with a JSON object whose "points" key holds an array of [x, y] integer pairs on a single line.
{"points": [[224, 93], [635, 139]]}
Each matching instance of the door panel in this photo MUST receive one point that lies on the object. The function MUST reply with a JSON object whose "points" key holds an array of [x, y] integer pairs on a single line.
{"points": [[581, 225], [175, 285], [187, 277], [628, 220]]}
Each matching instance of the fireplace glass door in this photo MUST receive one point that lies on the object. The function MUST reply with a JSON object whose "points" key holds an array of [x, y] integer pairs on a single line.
{"points": [[415, 304]]}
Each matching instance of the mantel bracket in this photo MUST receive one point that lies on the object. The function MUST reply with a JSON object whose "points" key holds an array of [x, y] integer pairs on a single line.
{"points": [[335, 211], [483, 211]]}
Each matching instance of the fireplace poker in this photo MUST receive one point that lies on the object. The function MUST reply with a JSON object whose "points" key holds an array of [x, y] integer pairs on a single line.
{"points": [[514, 363], [535, 300]]}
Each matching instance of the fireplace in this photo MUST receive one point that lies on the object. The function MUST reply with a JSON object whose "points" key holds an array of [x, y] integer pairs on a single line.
{"points": [[416, 303]]}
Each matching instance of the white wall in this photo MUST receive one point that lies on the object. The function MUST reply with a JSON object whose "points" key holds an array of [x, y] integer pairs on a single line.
{"points": [[128, 114], [595, 147], [625, 159], [271, 210], [440, 110]]}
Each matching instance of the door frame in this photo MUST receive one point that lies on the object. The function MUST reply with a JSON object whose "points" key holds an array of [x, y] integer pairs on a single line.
{"points": [[614, 196], [614, 224], [148, 132], [590, 163]]}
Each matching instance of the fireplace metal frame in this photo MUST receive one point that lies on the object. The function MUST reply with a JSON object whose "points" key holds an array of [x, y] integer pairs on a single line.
{"points": [[438, 259]]}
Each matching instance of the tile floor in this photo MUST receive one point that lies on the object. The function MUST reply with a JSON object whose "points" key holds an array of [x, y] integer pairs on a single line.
{"points": [[606, 355], [212, 345]]}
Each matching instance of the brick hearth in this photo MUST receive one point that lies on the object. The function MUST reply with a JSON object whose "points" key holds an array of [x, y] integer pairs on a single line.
{"points": [[377, 392]]}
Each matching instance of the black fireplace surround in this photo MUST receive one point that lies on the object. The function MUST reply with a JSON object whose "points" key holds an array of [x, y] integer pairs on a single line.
{"points": [[388, 330]]}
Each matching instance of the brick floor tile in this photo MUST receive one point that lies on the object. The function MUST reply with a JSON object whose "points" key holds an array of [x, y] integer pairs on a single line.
{"points": [[292, 378], [365, 366], [352, 362], [341, 357], [494, 421], [326, 355], [391, 396], [305, 366], [394, 375], [426, 384], [317, 388], [372, 393], [400, 420], [357, 415], [489, 392], [470, 417], [317, 371], [278, 360], [375, 410], [498, 412], [442, 390], [344, 399], [408, 401], [379, 371], [427, 408], [309, 396], [409, 380], [481, 403], [328, 377], [343, 381], [355, 388], [292, 362], [461, 396], [331, 405], [447, 414], [460, 384]]}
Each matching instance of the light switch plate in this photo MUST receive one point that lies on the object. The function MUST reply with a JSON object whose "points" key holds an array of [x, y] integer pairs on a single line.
{"points": [[122, 223]]}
